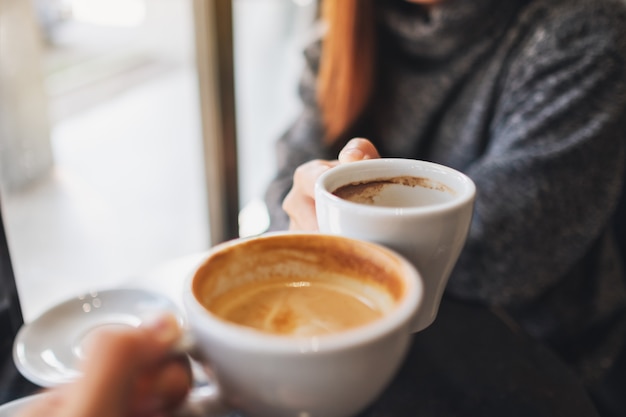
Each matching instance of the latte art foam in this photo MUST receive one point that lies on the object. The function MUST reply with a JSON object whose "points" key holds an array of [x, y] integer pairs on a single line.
{"points": [[299, 308]]}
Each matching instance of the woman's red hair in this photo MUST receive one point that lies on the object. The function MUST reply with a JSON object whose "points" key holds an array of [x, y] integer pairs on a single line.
{"points": [[347, 65]]}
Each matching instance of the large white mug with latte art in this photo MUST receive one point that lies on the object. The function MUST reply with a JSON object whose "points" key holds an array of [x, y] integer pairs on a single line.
{"points": [[420, 209], [301, 324]]}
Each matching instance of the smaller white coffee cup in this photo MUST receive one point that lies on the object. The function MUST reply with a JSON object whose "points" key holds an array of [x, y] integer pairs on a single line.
{"points": [[300, 372], [420, 209]]}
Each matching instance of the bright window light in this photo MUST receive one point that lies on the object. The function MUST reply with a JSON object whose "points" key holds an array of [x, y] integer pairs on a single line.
{"points": [[109, 12]]}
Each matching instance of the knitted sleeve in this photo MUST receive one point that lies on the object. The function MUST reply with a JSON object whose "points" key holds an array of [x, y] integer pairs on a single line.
{"points": [[554, 167]]}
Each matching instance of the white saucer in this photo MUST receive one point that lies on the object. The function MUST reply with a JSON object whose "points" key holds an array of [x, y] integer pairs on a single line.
{"points": [[47, 350]]}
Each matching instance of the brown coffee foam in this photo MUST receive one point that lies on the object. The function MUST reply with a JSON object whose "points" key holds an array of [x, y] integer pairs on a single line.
{"points": [[302, 256], [366, 191], [302, 308]]}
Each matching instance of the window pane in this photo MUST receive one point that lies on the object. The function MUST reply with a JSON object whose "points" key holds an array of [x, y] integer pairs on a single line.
{"points": [[269, 36], [104, 133]]}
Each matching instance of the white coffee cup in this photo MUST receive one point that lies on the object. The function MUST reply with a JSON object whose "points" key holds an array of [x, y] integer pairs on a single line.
{"points": [[296, 371], [420, 209]]}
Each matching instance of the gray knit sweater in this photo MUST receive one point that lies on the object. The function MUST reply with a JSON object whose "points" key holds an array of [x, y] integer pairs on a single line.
{"points": [[527, 97]]}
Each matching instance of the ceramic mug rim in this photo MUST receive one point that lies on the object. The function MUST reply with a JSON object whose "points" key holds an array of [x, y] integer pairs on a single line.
{"points": [[388, 167], [247, 338]]}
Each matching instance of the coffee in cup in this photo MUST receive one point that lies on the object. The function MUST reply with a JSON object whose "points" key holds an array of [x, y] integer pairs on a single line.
{"points": [[284, 306], [392, 192], [335, 290]]}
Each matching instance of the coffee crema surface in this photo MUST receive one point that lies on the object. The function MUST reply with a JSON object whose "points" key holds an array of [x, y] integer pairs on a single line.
{"points": [[299, 308], [299, 287], [400, 191]]}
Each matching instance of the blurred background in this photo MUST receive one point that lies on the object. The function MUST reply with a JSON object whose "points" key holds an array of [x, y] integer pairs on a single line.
{"points": [[103, 154]]}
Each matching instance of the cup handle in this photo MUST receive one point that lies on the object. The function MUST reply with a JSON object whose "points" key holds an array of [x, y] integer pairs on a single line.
{"points": [[204, 399]]}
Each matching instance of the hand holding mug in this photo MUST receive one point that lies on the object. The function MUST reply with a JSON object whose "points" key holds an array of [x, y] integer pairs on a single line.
{"points": [[420, 209], [286, 324], [127, 372], [299, 203]]}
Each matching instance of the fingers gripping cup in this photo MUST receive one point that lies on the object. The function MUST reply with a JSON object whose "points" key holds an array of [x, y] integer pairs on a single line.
{"points": [[420, 209], [302, 324]]}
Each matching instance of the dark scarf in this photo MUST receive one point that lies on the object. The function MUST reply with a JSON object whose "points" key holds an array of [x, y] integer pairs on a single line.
{"points": [[425, 54], [440, 30]]}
